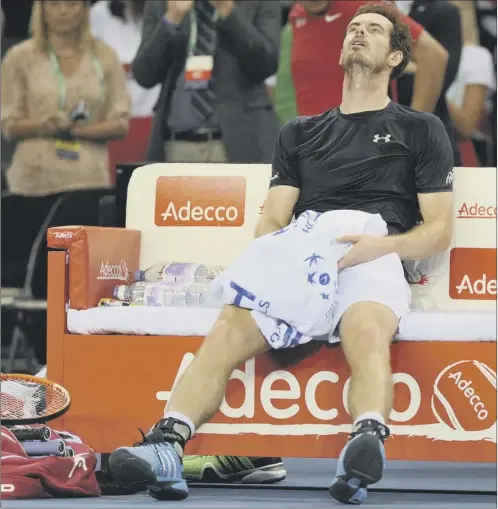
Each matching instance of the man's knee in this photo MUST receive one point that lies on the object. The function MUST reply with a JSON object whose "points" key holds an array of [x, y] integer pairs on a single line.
{"points": [[367, 329], [372, 332], [234, 333]]}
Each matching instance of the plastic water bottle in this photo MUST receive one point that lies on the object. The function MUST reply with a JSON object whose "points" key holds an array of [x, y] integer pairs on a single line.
{"points": [[162, 294], [191, 296], [152, 274], [135, 293], [178, 273]]}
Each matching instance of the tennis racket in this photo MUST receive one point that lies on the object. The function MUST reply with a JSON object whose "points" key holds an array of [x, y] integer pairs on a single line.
{"points": [[40, 433], [27, 399]]}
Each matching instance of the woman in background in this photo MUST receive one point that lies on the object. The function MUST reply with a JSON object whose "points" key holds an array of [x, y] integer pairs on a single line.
{"points": [[64, 98], [468, 97], [118, 23]]}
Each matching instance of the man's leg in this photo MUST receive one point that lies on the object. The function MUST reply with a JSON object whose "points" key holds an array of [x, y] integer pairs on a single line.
{"points": [[366, 332], [234, 338], [156, 462], [221, 468]]}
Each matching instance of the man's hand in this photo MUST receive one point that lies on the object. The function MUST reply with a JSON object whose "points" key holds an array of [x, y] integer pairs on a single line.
{"points": [[177, 9], [365, 248], [224, 7]]}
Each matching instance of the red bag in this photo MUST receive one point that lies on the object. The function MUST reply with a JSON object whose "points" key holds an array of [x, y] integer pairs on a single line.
{"points": [[47, 476]]}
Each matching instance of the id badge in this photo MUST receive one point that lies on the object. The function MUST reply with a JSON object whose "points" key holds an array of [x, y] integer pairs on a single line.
{"points": [[198, 71], [69, 150]]}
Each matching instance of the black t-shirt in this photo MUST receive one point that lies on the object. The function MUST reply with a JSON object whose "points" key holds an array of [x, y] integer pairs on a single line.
{"points": [[375, 161]]}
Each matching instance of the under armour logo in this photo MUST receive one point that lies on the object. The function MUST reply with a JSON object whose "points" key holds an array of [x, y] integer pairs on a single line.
{"points": [[378, 137], [450, 178]]}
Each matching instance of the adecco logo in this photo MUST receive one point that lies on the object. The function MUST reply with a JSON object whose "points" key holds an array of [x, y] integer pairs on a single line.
{"points": [[200, 201], [270, 396], [64, 235], [116, 272], [462, 397], [476, 211], [463, 400], [473, 273]]}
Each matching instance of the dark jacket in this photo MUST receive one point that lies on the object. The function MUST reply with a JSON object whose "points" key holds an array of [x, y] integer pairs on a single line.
{"points": [[247, 53]]}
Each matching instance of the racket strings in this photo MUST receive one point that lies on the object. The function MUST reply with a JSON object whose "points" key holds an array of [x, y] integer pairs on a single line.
{"points": [[21, 399]]}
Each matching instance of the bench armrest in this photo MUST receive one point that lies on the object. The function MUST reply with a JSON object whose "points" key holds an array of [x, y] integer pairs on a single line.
{"points": [[99, 258]]}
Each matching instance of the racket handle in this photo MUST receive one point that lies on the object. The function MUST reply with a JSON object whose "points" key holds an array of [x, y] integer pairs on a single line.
{"points": [[42, 433], [69, 452], [53, 448]]}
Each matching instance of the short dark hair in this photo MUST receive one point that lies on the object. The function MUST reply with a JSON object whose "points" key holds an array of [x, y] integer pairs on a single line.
{"points": [[401, 39]]}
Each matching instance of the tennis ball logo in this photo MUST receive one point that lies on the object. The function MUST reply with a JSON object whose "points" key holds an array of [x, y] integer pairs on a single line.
{"points": [[465, 396]]}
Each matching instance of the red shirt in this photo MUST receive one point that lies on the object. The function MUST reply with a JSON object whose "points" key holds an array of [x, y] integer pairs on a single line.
{"points": [[316, 49]]}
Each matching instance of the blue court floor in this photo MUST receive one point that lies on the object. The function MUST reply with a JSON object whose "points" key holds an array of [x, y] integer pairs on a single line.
{"points": [[405, 484]]}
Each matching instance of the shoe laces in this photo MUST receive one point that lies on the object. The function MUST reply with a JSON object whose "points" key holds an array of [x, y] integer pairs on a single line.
{"points": [[153, 437], [379, 430]]}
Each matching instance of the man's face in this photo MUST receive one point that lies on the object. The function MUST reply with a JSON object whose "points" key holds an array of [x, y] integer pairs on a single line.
{"points": [[314, 6], [367, 44]]}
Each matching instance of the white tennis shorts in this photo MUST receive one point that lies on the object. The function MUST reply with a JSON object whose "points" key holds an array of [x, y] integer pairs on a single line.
{"points": [[381, 280]]}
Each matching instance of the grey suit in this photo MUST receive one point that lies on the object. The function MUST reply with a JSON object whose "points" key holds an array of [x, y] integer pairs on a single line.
{"points": [[247, 53]]}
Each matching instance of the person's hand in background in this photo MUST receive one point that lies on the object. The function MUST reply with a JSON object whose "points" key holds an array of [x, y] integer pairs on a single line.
{"points": [[177, 9], [224, 7]]}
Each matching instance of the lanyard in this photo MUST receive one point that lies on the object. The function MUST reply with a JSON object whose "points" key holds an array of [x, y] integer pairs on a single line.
{"points": [[61, 81], [192, 41]]}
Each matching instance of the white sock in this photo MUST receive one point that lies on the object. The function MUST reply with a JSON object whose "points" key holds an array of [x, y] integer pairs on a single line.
{"points": [[184, 419], [370, 416]]}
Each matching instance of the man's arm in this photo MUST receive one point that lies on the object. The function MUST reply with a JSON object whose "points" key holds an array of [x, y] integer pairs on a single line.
{"points": [[433, 236], [431, 60], [256, 44], [284, 183], [160, 42], [278, 210], [434, 183]]}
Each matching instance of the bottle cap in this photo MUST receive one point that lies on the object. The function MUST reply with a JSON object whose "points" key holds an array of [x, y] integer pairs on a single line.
{"points": [[121, 292], [139, 275]]}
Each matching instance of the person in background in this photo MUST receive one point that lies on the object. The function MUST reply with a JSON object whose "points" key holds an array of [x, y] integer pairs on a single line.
{"points": [[441, 19], [63, 98], [119, 23], [211, 59], [469, 95], [486, 15], [309, 78]]}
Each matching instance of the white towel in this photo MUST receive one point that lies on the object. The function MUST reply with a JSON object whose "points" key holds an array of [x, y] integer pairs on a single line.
{"points": [[289, 278]]}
